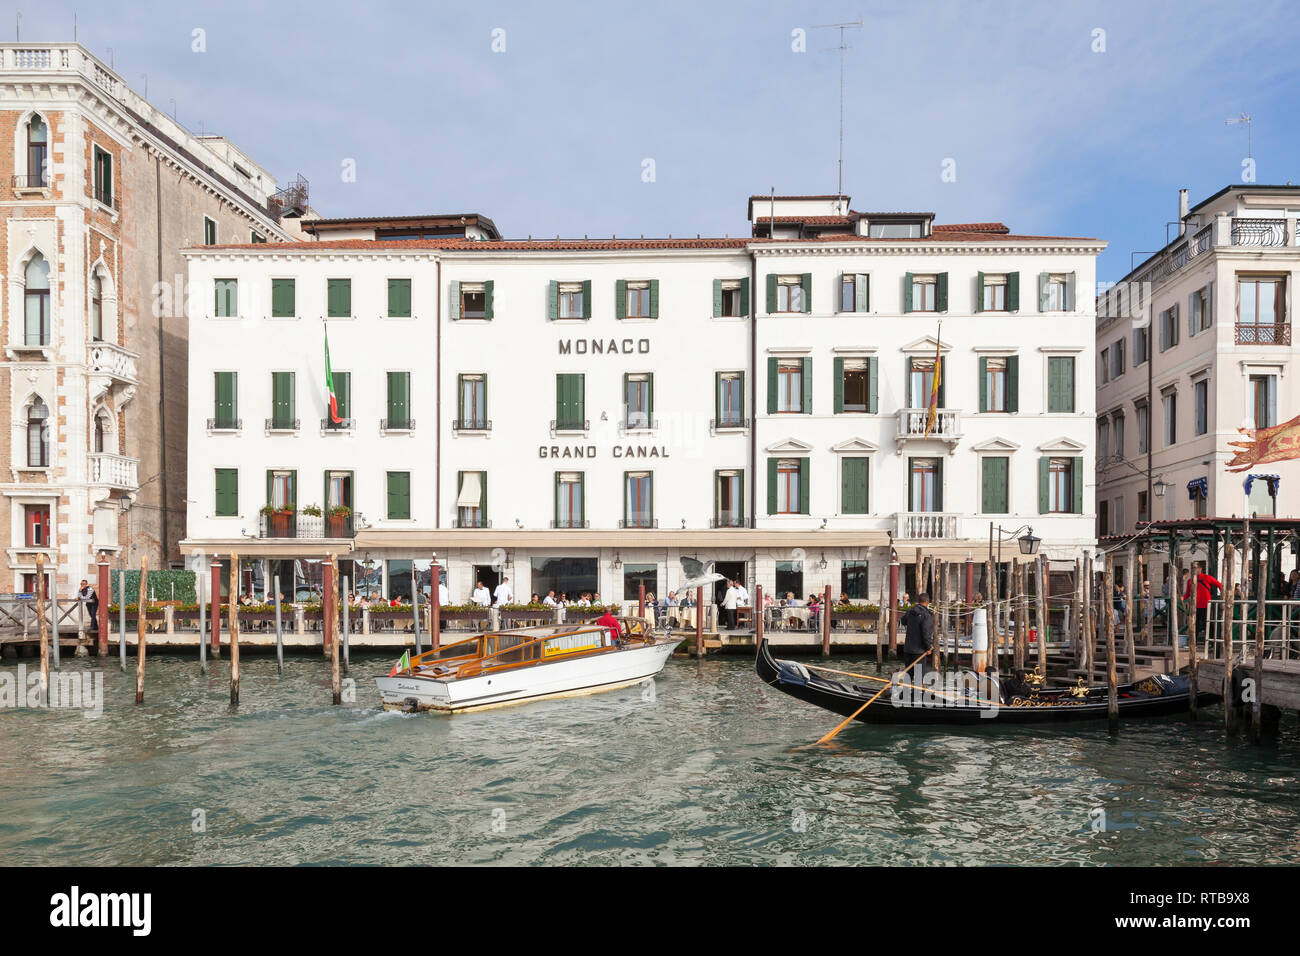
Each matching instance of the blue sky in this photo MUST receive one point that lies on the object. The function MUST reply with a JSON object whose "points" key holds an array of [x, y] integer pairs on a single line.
{"points": [[550, 135]]}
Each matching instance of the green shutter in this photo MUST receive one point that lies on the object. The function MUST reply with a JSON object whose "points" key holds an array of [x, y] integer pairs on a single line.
{"points": [[227, 497], [620, 299], [979, 292], [853, 490], [1013, 383], [717, 298], [270, 483], [453, 301], [806, 376], [1076, 486], [839, 385], [717, 396], [625, 496], [943, 383], [941, 292], [907, 292], [1042, 292], [225, 398], [293, 489], [1013, 291], [553, 312], [1069, 292], [1060, 383], [771, 385], [984, 384], [1044, 477], [654, 314], [650, 395], [862, 293], [744, 296], [771, 486], [938, 485], [744, 397], [399, 298], [993, 482], [806, 281], [225, 305], [803, 486], [282, 397], [283, 299], [339, 298], [873, 385], [911, 484], [482, 504], [586, 310], [399, 495], [489, 307], [582, 499], [771, 293], [460, 398], [399, 399], [343, 392]]}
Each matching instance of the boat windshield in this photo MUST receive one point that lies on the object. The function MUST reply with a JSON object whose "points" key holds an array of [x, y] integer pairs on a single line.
{"points": [[460, 649]]}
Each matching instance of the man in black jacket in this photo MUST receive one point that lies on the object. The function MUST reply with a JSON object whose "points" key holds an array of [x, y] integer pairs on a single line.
{"points": [[919, 621]]}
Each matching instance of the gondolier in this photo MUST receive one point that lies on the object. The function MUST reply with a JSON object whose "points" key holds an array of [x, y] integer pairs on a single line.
{"points": [[1205, 586], [919, 621]]}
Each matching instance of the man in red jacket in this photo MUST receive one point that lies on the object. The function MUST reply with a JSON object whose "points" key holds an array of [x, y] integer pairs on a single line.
{"points": [[1205, 585], [609, 621]]}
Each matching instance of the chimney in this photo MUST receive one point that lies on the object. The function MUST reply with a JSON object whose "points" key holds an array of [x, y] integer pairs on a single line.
{"points": [[1182, 211]]}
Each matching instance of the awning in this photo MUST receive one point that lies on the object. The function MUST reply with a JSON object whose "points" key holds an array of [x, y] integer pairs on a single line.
{"points": [[1198, 488], [471, 491]]}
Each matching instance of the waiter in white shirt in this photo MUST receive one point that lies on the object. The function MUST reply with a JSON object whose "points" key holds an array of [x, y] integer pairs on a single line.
{"points": [[729, 604], [549, 600], [742, 595], [442, 594], [482, 596], [504, 594]]}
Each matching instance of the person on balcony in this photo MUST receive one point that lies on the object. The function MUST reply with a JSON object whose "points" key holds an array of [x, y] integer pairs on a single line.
{"points": [[505, 594], [482, 597]]}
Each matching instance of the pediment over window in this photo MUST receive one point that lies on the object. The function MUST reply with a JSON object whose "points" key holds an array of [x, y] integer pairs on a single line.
{"points": [[855, 446], [789, 446], [1064, 446], [926, 344], [995, 445]]}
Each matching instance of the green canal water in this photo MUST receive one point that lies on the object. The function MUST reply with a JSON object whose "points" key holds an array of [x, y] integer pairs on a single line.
{"points": [[705, 770]]}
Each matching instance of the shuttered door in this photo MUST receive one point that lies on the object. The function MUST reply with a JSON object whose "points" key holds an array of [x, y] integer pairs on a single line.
{"points": [[399, 298], [853, 493], [1060, 383], [803, 486], [225, 399], [283, 299], [993, 482], [282, 398], [569, 389], [339, 298], [399, 399], [399, 495], [227, 498]]}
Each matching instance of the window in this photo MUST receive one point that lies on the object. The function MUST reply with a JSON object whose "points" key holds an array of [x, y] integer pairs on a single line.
{"points": [[36, 303], [338, 298], [100, 441], [1144, 510], [284, 299], [638, 499], [1103, 367], [730, 400], [1117, 359], [227, 298], [994, 489], [571, 300], [789, 386], [1143, 427], [1263, 399], [1170, 402], [999, 384], [998, 293], [209, 232], [36, 520], [472, 414], [1056, 292], [570, 401], [399, 298], [343, 396], [789, 579], [1103, 441], [398, 486], [790, 293], [1060, 485], [471, 300], [787, 486], [1141, 346], [921, 382], [730, 298], [1201, 399], [38, 136], [922, 293], [1199, 505], [283, 401], [225, 410], [226, 504], [399, 402], [1060, 384], [925, 489], [854, 581], [569, 499], [282, 490], [1200, 309], [1169, 327], [636, 300], [638, 400], [729, 499], [855, 385], [855, 289], [636, 576], [1261, 310], [38, 435], [96, 309], [1259, 502], [103, 177], [855, 498], [1117, 428], [471, 499]]}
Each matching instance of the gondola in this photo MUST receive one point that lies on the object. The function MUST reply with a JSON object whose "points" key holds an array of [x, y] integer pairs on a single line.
{"points": [[1009, 702]]}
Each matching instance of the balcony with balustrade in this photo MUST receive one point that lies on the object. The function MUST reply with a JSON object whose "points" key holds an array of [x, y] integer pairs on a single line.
{"points": [[119, 364], [925, 526], [114, 471], [912, 426], [288, 523], [1223, 231]]}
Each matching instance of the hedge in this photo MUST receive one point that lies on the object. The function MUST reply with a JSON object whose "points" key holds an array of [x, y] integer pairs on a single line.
{"points": [[160, 586]]}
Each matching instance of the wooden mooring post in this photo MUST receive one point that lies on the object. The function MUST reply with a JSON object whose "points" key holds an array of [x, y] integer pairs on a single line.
{"points": [[826, 623], [758, 618], [279, 629], [1257, 702], [44, 629], [881, 624], [1130, 651], [435, 600], [1041, 578], [215, 598], [991, 618], [121, 618], [1171, 622], [141, 606], [103, 591], [203, 617], [1112, 691], [347, 623], [699, 622], [1229, 582], [233, 609], [893, 607], [330, 613]]}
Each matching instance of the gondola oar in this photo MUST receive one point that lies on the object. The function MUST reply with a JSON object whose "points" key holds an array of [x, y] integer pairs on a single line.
{"points": [[881, 680], [849, 719]]}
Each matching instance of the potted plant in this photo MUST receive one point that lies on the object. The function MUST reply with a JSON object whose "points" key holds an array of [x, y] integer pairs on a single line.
{"points": [[533, 611], [279, 520], [340, 522]]}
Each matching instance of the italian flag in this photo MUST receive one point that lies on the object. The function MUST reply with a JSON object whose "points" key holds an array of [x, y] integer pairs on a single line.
{"points": [[403, 665], [329, 384]]}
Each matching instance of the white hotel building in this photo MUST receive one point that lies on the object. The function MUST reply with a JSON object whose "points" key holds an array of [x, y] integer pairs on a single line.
{"points": [[579, 414]]}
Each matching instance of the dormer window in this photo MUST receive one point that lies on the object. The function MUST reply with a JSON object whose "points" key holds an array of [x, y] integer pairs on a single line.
{"points": [[904, 229]]}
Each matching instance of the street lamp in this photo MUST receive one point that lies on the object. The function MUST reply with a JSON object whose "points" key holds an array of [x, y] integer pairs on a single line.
{"points": [[1028, 543], [1160, 487]]}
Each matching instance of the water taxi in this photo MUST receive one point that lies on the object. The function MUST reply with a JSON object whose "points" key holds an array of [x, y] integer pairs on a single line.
{"points": [[527, 664]]}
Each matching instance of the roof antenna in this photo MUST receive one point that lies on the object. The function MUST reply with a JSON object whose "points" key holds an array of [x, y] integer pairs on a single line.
{"points": [[1243, 119], [851, 25]]}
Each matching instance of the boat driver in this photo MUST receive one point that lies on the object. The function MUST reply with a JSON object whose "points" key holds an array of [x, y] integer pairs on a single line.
{"points": [[610, 623]]}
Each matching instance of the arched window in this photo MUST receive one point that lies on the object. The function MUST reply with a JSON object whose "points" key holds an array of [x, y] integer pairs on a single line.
{"points": [[38, 137], [38, 435], [96, 309], [101, 430], [38, 301]]}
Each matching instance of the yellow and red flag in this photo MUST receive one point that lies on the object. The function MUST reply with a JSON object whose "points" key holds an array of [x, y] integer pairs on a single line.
{"points": [[932, 409], [1276, 443]]}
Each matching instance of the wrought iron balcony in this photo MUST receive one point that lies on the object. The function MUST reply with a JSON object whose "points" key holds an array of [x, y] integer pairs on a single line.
{"points": [[397, 424], [295, 524], [576, 425], [636, 425], [1248, 334], [225, 424], [471, 424], [343, 425], [727, 422], [925, 526], [282, 424], [569, 523], [638, 521], [1247, 231], [729, 521], [478, 522]]}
